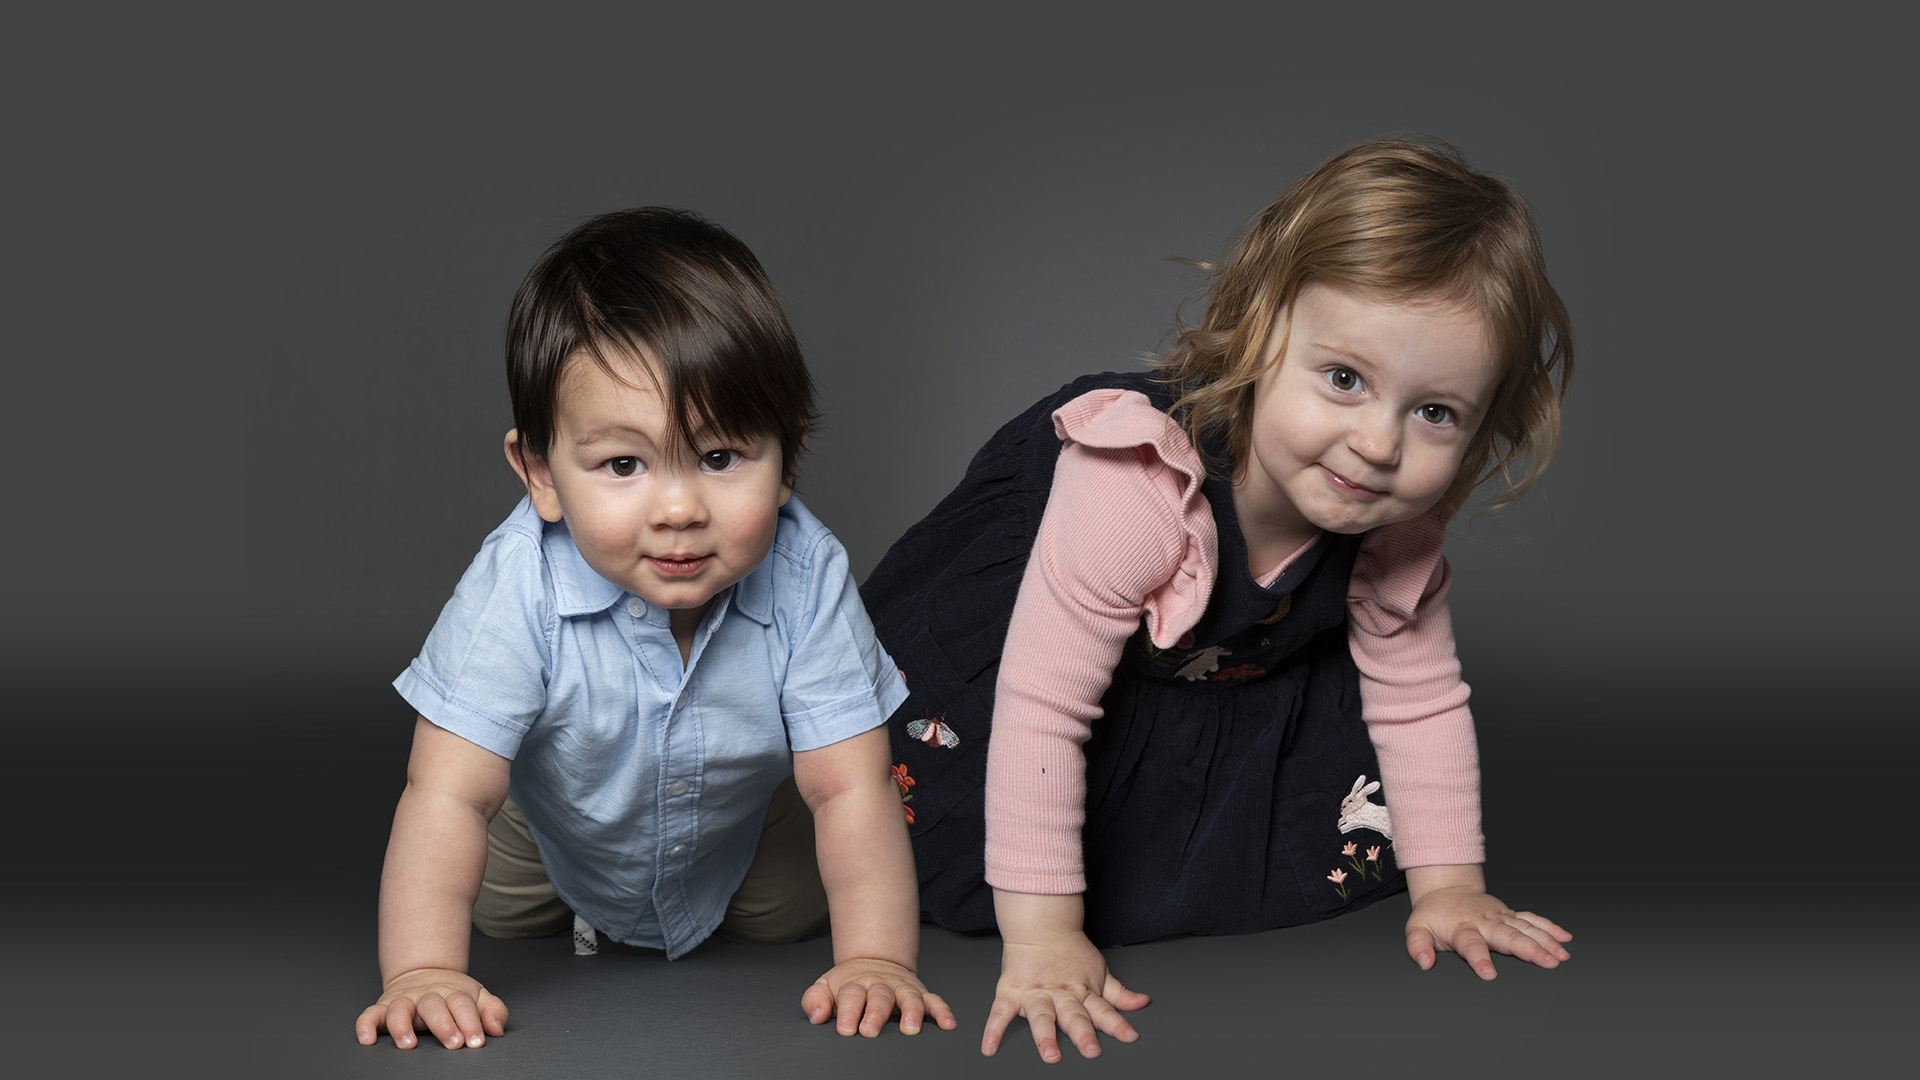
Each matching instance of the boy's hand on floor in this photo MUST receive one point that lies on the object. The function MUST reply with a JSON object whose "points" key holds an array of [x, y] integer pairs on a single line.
{"points": [[863, 993], [450, 1004]]}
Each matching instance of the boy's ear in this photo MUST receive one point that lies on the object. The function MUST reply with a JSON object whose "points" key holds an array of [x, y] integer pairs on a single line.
{"points": [[792, 468], [532, 470]]}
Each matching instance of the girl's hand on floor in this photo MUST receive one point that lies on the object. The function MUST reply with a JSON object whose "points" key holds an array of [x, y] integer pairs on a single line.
{"points": [[451, 1004], [863, 993], [1474, 923], [1060, 984]]}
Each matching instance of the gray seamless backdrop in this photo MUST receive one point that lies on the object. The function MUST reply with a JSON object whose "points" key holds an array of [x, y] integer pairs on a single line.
{"points": [[258, 264]]}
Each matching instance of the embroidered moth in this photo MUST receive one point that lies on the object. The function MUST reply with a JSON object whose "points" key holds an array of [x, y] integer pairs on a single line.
{"points": [[933, 733]]}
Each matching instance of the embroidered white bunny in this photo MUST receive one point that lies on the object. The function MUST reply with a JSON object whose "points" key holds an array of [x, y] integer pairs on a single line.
{"points": [[1202, 662], [1356, 812]]}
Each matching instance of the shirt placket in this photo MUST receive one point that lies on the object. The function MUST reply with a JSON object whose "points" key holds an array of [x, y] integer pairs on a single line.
{"points": [[682, 758]]}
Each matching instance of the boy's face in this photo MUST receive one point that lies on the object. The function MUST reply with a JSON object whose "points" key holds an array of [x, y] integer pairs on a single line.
{"points": [[672, 527]]}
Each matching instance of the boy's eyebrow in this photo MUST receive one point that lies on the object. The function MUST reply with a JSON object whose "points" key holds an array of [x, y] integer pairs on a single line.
{"points": [[611, 433]]}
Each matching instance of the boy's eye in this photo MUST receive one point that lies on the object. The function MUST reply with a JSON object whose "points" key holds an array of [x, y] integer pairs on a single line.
{"points": [[623, 466], [719, 460], [1343, 379], [1434, 414]]}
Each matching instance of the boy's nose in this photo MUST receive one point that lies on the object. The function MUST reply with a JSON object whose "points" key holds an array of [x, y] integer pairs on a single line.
{"points": [[679, 505]]}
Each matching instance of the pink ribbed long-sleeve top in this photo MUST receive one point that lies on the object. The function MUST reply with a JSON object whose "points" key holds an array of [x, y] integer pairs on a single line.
{"points": [[1128, 535]]}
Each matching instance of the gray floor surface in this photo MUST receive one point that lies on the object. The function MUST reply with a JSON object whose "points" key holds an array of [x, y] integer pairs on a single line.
{"points": [[216, 919]]}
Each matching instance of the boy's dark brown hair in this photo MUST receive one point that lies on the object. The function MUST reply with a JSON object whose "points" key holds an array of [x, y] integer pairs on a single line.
{"points": [[1396, 220], [684, 296]]}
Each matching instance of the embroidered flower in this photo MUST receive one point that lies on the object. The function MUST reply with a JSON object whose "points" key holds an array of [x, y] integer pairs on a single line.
{"points": [[1350, 848], [909, 811], [1338, 877], [901, 778], [1373, 854]]}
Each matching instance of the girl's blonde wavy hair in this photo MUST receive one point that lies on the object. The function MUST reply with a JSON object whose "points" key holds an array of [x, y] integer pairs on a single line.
{"points": [[1397, 220]]}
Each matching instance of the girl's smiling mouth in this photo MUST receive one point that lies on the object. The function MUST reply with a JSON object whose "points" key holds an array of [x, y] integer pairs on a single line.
{"points": [[1347, 487]]}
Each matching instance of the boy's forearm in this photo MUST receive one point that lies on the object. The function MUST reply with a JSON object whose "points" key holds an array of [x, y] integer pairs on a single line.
{"points": [[435, 860], [866, 864]]}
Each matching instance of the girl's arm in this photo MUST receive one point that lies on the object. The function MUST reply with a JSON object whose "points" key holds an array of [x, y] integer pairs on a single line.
{"points": [[1415, 704], [435, 860], [1117, 540], [873, 903]]}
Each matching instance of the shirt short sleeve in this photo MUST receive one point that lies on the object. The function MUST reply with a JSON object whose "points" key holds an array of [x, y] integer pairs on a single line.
{"points": [[482, 673], [839, 681]]}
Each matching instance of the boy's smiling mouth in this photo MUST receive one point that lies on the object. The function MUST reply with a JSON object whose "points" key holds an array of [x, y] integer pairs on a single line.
{"points": [[678, 566]]}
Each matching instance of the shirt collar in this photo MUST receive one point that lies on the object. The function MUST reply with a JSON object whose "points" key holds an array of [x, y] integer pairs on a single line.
{"points": [[577, 590]]}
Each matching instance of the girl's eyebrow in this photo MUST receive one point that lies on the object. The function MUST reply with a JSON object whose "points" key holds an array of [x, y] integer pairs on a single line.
{"points": [[1342, 350]]}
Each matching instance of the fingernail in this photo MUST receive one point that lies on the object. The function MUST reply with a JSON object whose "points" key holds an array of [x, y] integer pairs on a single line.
{"points": [[475, 1040]]}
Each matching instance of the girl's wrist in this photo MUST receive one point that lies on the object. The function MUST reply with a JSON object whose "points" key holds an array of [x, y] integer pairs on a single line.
{"points": [[1037, 918], [1423, 881]]}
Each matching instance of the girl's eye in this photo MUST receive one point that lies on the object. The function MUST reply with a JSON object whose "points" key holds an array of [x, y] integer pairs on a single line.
{"points": [[1434, 414], [623, 466], [719, 460], [1343, 379]]}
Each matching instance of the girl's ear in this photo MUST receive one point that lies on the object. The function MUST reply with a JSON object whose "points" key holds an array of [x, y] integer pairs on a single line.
{"points": [[532, 470]]}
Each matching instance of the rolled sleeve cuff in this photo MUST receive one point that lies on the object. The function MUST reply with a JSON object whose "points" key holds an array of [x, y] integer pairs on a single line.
{"points": [[431, 699]]}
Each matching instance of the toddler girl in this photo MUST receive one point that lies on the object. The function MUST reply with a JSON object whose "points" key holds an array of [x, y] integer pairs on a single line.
{"points": [[1174, 631]]}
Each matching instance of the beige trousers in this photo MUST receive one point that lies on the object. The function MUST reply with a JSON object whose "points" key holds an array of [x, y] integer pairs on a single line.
{"points": [[781, 899]]}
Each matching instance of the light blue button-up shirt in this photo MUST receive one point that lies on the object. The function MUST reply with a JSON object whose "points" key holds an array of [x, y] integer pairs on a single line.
{"points": [[646, 784]]}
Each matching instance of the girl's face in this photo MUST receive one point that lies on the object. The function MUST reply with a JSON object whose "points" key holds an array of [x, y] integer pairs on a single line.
{"points": [[672, 527], [1364, 420]]}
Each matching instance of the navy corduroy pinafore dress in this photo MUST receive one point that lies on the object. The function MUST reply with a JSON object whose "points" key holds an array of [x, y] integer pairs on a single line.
{"points": [[1216, 774]]}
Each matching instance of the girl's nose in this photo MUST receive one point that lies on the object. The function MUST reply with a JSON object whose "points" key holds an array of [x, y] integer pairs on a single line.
{"points": [[1376, 437]]}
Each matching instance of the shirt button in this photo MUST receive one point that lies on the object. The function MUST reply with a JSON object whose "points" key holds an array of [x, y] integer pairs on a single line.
{"points": [[636, 607], [678, 787], [677, 849], [679, 703]]}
